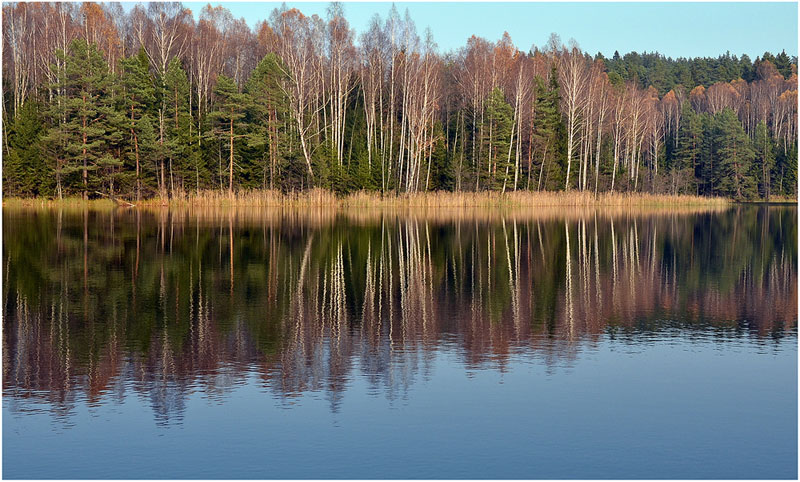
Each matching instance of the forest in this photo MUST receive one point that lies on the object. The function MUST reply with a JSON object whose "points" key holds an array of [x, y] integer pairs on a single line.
{"points": [[155, 102]]}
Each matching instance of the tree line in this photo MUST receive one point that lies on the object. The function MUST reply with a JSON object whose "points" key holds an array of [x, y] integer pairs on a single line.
{"points": [[652, 68], [153, 103]]}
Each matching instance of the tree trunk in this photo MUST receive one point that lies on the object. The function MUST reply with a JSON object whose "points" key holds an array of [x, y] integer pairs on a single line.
{"points": [[230, 163], [85, 167]]}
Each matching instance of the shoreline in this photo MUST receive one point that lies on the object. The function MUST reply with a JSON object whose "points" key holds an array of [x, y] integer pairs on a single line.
{"points": [[440, 199]]}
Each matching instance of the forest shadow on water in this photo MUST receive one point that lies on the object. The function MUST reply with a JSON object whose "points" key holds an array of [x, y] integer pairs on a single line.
{"points": [[669, 334]]}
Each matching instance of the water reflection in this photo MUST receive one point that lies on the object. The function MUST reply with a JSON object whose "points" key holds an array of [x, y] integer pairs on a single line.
{"points": [[102, 305]]}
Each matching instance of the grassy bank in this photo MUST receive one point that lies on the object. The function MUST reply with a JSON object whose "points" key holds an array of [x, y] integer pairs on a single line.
{"points": [[322, 198]]}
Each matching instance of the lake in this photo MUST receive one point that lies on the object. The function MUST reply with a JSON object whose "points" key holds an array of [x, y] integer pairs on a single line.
{"points": [[547, 343]]}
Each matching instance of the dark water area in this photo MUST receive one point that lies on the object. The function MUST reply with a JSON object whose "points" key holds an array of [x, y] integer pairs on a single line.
{"points": [[553, 343]]}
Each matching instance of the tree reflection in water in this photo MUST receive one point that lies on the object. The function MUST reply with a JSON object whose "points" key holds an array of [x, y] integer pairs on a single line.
{"points": [[99, 304]]}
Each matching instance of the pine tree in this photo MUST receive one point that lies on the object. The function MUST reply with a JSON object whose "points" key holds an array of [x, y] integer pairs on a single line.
{"points": [[85, 122]]}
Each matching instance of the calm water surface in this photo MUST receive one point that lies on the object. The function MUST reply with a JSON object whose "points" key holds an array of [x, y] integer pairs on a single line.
{"points": [[281, 344]]}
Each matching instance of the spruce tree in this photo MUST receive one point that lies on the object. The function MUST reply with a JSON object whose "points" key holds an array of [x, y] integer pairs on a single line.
{"points": [[24, 170], [707, 162], [182, 141], [784, 175], [499, 122], [547, 135], [227, 120], [688, 155], [442, 176], [734, 156], [139, 96], [765, 159], [53, 143], [267, 109]]}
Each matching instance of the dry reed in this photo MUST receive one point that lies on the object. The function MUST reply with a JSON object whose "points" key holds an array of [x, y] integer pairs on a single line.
{"points": [[326, 216], [438, 199], [65, 203]]}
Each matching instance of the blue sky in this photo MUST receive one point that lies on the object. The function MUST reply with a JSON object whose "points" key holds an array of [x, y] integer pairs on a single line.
{"points": [[674, 29]]}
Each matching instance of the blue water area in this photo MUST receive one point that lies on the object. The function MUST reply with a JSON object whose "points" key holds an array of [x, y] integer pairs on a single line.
{"points": [[640, 346]]}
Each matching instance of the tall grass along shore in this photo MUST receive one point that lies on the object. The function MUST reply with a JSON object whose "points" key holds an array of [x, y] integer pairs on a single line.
{"points": [[364, 199]]}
